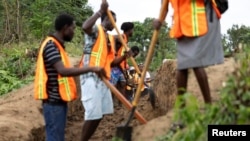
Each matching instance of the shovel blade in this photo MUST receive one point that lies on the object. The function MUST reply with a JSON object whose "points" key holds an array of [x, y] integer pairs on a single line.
{"points": [[124, 132]]}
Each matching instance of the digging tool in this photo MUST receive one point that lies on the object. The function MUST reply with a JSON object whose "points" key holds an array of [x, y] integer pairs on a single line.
{"points": [[122, 41], [124, 45], [124, 132], [125, 102]]}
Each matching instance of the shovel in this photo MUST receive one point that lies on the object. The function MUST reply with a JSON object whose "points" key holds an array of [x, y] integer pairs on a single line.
{"points": [[124, 101], [121, 131], [122, 41], [124, 132]]}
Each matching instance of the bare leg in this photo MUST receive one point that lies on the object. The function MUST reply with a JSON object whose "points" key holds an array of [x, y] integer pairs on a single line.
{"points": [[122, 88], [202, 79], [182, 78], [89, 128]]}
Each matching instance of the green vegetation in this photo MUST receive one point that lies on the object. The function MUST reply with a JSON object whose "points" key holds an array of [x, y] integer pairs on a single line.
{"points": [[23, 20], [15, 67], [23, 25], [232, 108], [165, 46]]}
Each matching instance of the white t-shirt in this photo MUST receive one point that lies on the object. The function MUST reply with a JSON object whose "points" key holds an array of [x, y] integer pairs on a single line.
{"points": [[147, 77]]}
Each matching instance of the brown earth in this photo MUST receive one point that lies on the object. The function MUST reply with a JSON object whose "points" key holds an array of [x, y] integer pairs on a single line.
{"points": [[21, 118]]}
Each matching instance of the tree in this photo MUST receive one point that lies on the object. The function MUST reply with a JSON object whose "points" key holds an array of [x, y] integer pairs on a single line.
{"points": [[227, 48], [41, 22], [165, 47], [24, 18], [238, 34]]}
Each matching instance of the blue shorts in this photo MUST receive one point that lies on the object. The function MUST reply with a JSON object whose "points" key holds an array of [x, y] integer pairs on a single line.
{"points": [[117, 76]]}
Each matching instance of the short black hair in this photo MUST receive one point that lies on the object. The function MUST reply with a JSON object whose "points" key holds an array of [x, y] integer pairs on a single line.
{"points": [[104, 15], [126, 26], [135, 48], [62, 20]]}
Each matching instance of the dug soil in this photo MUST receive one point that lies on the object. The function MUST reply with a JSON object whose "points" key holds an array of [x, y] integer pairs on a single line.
{"points": [[21, 118]]}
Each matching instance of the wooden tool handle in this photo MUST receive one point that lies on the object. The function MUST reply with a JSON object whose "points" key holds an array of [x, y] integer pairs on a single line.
{"points": [[118, 95], [122, 41], [164, 9], [124, 101]]}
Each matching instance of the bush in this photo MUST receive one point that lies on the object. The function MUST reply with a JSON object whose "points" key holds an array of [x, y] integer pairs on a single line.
{"points": [[16, 66]]}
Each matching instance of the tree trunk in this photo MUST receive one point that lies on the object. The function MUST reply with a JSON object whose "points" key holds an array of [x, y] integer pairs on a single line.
{"points": [[18, 20], [7, 21]]}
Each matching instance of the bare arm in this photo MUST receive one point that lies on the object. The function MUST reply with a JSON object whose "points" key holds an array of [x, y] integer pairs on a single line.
{"points": [[90, 22], [62, 70], [163, 13], [118, 60]]}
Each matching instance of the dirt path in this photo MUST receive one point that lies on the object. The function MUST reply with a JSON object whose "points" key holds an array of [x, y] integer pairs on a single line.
{"points": [[19, 114], [216, 76], [21, 119]]}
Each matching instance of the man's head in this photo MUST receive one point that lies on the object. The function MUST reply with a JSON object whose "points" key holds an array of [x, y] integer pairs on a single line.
{"points": [[106, 22], [65, 25], [127, 28], [140, 65], [135, 50], [132, 70]]}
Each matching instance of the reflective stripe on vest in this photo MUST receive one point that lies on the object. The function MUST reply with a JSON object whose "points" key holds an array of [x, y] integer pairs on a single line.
{"points": [[67, 86], [189, 18], [100, 56], [121, 52]]}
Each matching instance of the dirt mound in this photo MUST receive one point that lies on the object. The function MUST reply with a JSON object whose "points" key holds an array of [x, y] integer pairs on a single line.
{"points": [[19, 114], [164, 85]]}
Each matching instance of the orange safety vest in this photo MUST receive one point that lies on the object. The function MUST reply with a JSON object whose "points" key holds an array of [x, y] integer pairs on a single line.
{"points": [[100, 56], [67, 86], [189, 18], [121, 52], [130, 77], [136, 80]]}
